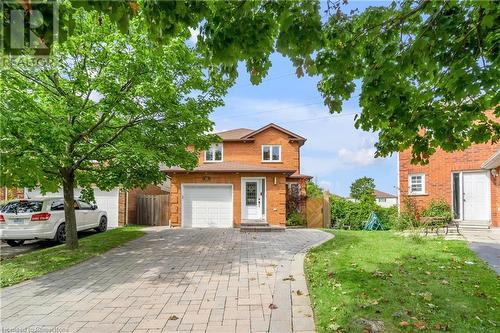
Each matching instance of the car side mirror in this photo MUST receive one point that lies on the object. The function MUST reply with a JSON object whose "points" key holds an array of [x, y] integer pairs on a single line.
{"points": [[94, 207]]}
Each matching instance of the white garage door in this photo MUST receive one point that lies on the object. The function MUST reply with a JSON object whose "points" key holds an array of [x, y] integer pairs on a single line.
{"points": [[207, 206], [105, 200]]}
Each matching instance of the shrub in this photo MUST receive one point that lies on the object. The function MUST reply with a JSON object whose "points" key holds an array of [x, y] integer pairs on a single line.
{"points": [[438, 208], [388, 216], [353, 215], [408, 218], [313, 190], [295, 219]]}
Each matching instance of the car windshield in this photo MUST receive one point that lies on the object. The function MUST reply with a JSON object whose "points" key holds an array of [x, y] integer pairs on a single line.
{"points": [[23, 207]]}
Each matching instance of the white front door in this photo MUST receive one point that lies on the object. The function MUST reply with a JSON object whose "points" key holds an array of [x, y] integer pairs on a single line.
{"points": [[252, 199], [476, 196]]}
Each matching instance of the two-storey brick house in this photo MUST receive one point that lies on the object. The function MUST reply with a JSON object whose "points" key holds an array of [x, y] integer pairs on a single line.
{"points": [[468, 180], [242, 179]]}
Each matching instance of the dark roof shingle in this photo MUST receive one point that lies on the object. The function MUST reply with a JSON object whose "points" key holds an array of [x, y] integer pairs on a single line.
{"points": [[380, 194]]}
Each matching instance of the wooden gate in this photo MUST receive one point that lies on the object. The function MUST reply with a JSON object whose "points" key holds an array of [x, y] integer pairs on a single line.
{"points": [[152, 209], [318, 211]]}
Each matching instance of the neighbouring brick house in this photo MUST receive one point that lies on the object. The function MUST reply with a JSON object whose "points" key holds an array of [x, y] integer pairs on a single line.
{"points": [[242, 180], [468, 180]]}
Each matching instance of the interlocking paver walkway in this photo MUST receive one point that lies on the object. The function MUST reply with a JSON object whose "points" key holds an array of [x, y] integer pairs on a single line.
{"points": [[185, 280]]}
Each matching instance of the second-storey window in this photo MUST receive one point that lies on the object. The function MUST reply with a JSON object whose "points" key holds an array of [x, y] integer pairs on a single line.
{"points": [[416, 183], [271, 153], [214, 153]]}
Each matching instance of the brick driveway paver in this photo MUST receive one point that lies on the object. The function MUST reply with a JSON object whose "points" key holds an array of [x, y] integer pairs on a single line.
{"points": [[184, 280]]}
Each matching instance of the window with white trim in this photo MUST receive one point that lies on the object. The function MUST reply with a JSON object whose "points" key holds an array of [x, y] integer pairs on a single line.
{"points": [[271, 153], [416, 183], [214, 153]]}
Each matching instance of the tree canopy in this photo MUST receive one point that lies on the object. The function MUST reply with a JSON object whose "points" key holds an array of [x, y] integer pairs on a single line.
{"points": [[363, 188], [428, 70], [106, 109]]}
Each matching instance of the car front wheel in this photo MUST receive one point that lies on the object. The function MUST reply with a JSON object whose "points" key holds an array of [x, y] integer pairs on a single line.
{"points": [[60, 236], [103, 224], [14, 243]]}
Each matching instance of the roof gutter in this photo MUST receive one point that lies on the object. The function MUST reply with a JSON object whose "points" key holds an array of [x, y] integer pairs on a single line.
{"points": [[493, 162]]}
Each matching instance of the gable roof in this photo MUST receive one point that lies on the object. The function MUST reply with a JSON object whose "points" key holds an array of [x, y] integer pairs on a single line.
{"points": [[235, 134], [245, 134], [380, 194], [291, 135]]}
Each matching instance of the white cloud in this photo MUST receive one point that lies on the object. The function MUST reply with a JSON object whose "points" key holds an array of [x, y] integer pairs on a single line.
{"points": [[326, 185], [363, 156], [334, 146]]}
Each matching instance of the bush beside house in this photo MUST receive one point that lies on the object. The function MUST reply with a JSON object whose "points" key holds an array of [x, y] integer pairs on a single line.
{"points": [[347, 214], [351, 215]]}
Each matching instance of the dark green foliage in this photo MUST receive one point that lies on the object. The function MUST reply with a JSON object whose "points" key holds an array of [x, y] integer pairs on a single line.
{"points": [[347, 214], [438, 208], [313, 190], [364, 186], [295, 219], [230, 31], [87, 195], [391, 278], [388, 216], [422, 64], [106, 109]]}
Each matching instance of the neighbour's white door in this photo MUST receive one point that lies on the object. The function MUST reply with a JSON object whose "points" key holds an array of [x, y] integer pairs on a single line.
{"points": [[207, 206], [476, 196], [252, 199]]}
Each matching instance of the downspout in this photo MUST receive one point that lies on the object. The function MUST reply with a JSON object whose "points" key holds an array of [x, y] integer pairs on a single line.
{"points": [[126, 207], [398, 186]]}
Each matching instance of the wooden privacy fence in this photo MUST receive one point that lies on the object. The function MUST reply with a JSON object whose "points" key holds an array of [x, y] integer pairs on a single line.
{"points": [[152, 209], [318, 211]]}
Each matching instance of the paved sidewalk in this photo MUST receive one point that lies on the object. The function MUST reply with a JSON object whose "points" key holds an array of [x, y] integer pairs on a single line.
{"points": [[210, 280], [486, 244]]}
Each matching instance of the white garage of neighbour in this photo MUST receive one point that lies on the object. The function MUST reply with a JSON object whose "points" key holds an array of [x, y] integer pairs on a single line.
{"points": [[105, 200], [205, 206]]}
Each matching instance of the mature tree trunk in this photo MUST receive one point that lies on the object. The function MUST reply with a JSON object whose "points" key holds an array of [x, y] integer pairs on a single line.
{"points": [[69, 209]]}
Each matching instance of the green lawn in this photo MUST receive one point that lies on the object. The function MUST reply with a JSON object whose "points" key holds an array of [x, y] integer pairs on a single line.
{"points": [[40, 262], [409, 284]]}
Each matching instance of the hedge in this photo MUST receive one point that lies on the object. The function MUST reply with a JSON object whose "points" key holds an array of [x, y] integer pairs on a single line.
{"points": [[347, 214]]}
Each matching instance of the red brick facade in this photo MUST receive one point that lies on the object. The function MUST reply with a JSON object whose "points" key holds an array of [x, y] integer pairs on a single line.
{"points": [[11, 193], [275, 194], [438, 175], [247, 152]]}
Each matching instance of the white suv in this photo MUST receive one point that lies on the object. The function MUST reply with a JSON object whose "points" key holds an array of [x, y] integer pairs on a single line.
{"points": [[43, 218]]}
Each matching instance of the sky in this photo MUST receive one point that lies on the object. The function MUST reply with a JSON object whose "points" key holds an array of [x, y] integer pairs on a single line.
{"points": [[335, 153]]}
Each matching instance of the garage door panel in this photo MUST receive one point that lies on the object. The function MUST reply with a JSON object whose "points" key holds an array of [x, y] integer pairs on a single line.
{"points": [[207, 206]]}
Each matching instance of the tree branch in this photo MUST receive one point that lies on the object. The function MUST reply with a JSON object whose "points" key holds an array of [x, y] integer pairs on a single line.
{"points": [[130, 123], [43, 84]]}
